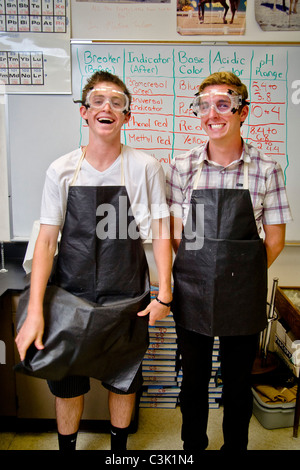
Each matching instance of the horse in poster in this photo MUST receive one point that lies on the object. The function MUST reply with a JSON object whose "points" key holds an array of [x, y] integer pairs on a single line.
{"points": [[234, 4]]}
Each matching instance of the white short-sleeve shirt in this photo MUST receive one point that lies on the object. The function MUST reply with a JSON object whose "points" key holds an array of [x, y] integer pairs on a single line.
{"points": [[144, 180]]}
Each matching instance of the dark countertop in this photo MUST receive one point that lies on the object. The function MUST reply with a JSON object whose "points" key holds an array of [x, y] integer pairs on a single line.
{"points": [[15, 278]]}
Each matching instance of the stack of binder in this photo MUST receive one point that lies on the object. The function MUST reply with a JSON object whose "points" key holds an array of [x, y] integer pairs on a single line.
{"points": [[160, 389], [215, 385]]}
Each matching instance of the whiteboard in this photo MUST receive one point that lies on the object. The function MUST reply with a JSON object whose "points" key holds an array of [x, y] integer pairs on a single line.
{"points": [[162, 78]]}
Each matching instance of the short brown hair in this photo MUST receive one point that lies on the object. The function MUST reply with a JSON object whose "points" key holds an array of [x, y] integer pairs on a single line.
{"points": [[225, 78], [104, 76]]}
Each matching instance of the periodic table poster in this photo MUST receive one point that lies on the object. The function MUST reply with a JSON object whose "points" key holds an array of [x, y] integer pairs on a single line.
{"points": [[35, 46]]}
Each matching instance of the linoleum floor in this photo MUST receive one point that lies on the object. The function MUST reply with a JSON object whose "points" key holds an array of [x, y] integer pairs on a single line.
{"points": [[159, 429]]}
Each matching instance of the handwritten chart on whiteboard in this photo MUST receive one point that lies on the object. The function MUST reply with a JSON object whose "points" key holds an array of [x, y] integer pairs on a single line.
{"points": [[163, 79]]}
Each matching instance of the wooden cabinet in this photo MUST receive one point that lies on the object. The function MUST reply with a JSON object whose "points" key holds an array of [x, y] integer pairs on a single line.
{"points": [[287, 306], [287, 301]]}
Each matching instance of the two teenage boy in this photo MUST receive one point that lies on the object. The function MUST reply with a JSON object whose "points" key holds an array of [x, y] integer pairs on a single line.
{"points": [[219, 289]]}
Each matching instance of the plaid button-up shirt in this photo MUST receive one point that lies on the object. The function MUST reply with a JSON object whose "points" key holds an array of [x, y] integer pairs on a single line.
{"points": [[266, 183]]}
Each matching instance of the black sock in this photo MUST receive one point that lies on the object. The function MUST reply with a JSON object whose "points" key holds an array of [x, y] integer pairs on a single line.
{"points": [[67, 441], [118, 438]]}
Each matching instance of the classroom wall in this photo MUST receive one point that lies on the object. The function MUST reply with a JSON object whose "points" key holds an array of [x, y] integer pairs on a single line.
{"points": [[162, 123]]}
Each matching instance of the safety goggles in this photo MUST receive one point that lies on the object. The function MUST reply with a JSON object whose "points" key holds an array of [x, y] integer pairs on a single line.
{"points": [[98, 97], [222, 102]]}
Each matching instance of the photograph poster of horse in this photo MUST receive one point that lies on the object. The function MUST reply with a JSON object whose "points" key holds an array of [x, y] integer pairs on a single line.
{"points": [[211, 17], [219, 17], [278, 15]]}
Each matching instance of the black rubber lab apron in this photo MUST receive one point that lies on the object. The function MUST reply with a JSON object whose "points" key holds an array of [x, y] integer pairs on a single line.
{"points": [[102, 281], [220, 276]]}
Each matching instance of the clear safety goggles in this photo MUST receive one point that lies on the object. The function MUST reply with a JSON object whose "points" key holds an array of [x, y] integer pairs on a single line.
{"points": [[98, 97], [222, 102]]}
